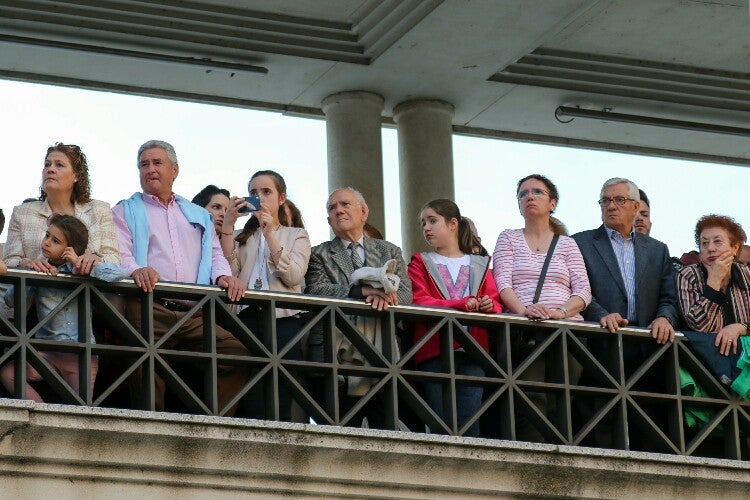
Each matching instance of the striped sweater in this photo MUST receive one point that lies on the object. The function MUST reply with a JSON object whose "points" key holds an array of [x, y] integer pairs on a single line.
{"points": [[517, 267], [707, 310]]}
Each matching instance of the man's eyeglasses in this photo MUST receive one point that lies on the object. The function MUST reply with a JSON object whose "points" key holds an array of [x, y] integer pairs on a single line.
{"points": [[619, 201], [536, 192]]}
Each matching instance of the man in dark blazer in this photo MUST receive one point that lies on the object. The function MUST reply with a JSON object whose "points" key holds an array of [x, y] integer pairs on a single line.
{"points": [[632, 283], [329, 273], [632, 279]]}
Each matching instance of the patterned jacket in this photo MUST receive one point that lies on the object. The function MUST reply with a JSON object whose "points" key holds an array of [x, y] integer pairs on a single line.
{"points": [[330, 269], [29, 222]]}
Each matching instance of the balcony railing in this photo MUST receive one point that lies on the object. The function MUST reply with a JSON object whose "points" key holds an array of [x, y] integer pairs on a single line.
{"points": [[617, 406]]}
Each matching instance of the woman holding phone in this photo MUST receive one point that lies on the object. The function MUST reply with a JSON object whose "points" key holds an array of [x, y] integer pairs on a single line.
{"points": [[267, 254]]}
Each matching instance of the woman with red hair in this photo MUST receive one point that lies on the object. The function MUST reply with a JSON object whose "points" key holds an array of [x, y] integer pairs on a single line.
{"points": [[714, 294]]}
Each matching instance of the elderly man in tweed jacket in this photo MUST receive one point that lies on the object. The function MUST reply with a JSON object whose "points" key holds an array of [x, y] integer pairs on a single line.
{"points": [[332, 264]]}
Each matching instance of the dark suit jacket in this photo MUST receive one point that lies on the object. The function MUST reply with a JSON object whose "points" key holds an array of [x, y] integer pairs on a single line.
{"points": [[330, 269], [654, 278]]}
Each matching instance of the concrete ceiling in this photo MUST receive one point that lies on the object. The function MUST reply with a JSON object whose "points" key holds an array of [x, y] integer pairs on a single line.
{"points": [[505, 65]]}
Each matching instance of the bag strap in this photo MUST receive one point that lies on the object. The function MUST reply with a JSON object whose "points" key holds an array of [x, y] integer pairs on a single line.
{"points": [[543, 273]]}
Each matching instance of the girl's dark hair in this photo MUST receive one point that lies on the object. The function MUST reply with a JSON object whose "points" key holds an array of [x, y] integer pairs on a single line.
{"points": [[252, 224], [558, 227], [372, 231], [74, 231], [82, 187], [448, 210], [203, 198], [294, 214]]}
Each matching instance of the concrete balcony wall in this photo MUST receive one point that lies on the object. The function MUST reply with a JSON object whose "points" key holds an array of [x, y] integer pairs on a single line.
{"points": [[80, 452]]}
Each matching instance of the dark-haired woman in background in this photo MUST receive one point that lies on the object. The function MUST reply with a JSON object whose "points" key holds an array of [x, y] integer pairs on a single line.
{"points": [[216, 201], [267, 254]]}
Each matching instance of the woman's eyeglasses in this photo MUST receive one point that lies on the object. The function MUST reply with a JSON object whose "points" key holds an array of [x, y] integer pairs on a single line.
{"points": [[536, 192]]}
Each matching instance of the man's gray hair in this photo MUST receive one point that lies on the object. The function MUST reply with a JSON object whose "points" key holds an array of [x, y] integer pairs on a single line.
{"points": [[632, 188], [357, 195], [167, 147]]}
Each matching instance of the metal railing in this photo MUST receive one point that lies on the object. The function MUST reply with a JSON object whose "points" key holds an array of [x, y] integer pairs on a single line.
{"points": [[613, 404]]}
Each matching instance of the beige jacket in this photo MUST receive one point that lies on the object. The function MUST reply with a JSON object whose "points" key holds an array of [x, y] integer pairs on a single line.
{"points": [[290, 272], [28, 223]]}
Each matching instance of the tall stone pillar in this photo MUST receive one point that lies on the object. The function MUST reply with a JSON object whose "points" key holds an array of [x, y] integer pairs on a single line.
{"points": [[355, 147], [425, 156]]}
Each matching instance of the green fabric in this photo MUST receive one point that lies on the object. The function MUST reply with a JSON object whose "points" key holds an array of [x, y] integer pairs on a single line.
{"points": [[694, 415], [741, 384]]}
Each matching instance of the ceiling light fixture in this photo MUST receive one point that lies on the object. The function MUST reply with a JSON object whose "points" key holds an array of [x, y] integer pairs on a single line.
{"points": [[606, 115]]}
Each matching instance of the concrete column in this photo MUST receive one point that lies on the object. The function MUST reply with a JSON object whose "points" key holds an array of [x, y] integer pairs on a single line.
{"points": [[355, 147], [425, 157]]}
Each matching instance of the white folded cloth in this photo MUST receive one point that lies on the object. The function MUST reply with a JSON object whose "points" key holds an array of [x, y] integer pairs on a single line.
{"points": [[378, 277]]}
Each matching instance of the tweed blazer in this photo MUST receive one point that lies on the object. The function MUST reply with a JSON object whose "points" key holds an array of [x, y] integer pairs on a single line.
{"points": [[330, 269], [288, 275], [654, 278], [29, 221]]}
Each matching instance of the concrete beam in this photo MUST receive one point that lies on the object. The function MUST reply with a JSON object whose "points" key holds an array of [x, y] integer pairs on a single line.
{"points": [[71, 452]]}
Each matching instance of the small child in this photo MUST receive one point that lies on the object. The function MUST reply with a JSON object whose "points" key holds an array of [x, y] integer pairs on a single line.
{"points": [[451, 276], [66, 238]]}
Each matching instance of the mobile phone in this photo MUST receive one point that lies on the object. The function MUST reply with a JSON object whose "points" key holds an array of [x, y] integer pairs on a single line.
{"points": [[253, 204]]}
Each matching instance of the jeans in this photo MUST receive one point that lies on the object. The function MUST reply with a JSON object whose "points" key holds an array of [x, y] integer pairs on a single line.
{"points": [[468, 397]]}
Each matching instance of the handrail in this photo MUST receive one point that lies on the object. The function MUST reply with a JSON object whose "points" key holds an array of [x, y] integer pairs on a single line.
{"points": [[624, 405]]}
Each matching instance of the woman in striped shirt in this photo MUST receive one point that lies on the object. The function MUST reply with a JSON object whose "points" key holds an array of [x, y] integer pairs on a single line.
{"points": [[520, 253], [519, 257]]}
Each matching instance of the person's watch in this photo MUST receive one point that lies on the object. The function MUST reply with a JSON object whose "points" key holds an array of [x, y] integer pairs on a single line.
{"points": [[747, 327]]}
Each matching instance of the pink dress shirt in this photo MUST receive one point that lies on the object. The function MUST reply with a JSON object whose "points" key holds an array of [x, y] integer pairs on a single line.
{"points": [[174, 246]]}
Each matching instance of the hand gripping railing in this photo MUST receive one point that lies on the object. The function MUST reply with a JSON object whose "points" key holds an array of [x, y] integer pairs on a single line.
{"points": [[562, 382]]}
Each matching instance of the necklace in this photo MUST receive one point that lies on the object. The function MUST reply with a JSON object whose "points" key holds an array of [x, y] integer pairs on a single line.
{"points": [[263, 256], [536, 246], [263, 263]]}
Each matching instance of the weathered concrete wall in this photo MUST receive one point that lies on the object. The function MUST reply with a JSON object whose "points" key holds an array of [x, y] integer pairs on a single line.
{"points": [[67, 452]]}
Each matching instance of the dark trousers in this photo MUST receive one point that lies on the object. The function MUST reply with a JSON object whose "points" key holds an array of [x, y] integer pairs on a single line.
{"points": [[468, 397], [373, 410], [254, 403], [634, 354], [190, 338]]}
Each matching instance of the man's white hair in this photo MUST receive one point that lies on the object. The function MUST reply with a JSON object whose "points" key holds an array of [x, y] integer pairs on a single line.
{"points": [[357, 195], [167, 147], [632, 188]]}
